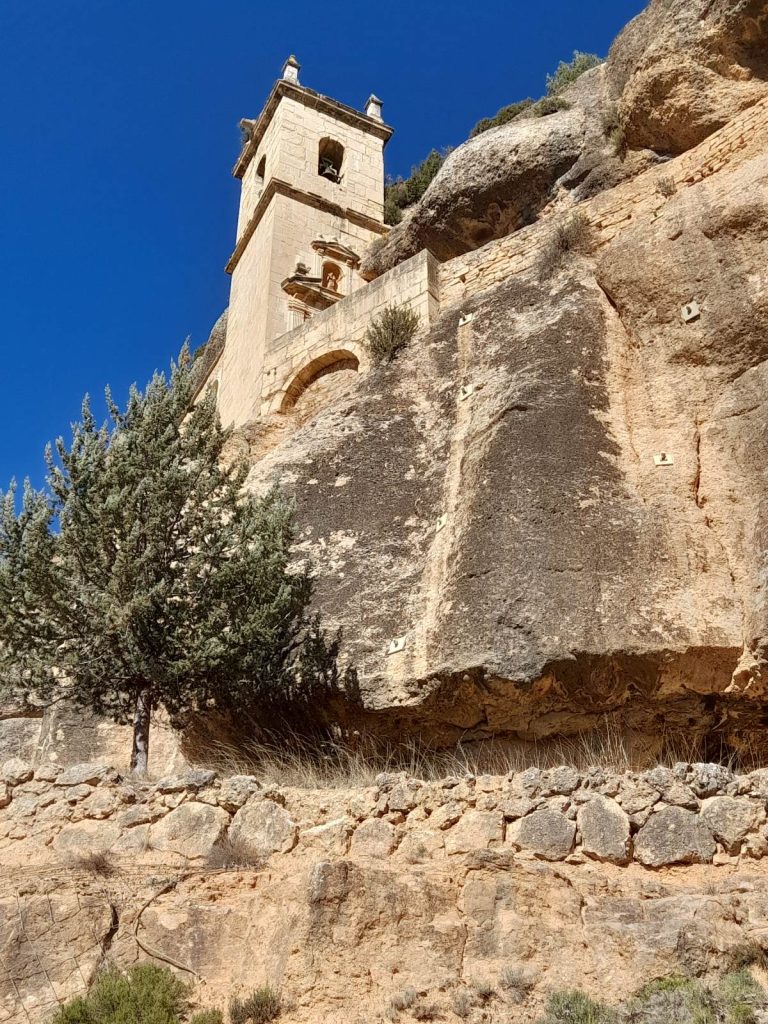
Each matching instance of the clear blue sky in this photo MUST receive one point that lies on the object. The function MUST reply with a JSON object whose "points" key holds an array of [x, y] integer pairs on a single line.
{"points": [[118, 129]]}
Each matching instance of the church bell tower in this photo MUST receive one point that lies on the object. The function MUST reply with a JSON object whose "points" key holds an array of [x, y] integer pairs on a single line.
{"points": [[312, 199]]}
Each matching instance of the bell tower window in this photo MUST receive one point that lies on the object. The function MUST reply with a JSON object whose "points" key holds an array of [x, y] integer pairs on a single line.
{"points": [[330, 159], [261, 171]]}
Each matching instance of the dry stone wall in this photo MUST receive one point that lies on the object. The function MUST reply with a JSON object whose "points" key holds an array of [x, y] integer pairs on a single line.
{"points": [[610, 212], [688, 814]]}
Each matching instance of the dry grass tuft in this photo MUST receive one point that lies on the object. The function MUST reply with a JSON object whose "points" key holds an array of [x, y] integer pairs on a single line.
{"points": [[234, 854], [95, 862]]}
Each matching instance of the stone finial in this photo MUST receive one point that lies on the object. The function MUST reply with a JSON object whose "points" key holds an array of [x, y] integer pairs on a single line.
{"points": [[373, 107], [291, 70]]}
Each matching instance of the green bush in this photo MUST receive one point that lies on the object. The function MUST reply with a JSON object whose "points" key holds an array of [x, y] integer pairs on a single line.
{"points": [[390, 332], [259, 1007], [576, 1008], [144, 994], [550, 105], [503, 116], [568, 72], [207, 1017]]}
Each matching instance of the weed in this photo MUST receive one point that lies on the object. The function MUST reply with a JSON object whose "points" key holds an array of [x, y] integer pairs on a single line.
{"points": [[503, 116], [516, 983], [95, 862], [666, 186], [260, 1007], [576, 1008], [403, 1000], [747, 954], [573, 235], [462, 1003], [390, 332], [207, 1017], [484, 990], [619, 142], [425, 1011]]}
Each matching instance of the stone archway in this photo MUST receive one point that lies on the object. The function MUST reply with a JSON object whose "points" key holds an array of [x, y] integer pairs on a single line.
{"points": [[328, 363]]}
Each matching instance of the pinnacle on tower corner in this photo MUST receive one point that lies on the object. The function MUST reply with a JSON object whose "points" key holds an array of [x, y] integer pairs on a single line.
{"points": [[291, 70]]}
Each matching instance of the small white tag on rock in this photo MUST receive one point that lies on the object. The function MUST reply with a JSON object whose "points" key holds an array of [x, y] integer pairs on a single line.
{"points": [[691, 312], [663, 459], [466, 319], [441, 522], [466, 391], [396, 645]]}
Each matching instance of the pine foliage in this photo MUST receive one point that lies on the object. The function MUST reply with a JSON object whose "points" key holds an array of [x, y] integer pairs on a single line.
{"points": [[143, 567]]}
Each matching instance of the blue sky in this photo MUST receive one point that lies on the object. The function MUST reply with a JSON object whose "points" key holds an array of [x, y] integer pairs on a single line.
{"points": [[118, 130]]}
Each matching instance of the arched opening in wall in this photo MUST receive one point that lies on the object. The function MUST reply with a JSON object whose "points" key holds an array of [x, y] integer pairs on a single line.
{"points": [[319, 382], [331, 278], [261, 171], [330, 159]]}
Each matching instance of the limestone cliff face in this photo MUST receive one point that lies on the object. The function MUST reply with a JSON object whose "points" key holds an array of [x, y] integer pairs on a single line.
{"points": [[570, 574]]}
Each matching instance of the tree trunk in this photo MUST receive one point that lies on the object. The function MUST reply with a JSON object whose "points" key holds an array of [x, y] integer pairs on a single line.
{"points": [[141, 716]]}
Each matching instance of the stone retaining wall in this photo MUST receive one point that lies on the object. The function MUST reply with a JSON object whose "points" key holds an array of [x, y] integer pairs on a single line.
{"points": [[692, 813], [610, 212]]}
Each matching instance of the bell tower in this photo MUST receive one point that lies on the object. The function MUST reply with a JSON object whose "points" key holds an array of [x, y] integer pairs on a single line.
{"points": [[312, 199]]}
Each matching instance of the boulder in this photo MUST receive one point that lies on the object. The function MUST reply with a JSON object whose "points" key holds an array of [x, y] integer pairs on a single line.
{"points": [[16, 771], [475, 830], [375, 838], [605, 830], [731, 818], [191, 831], [85, 775], [84, 837], [265, 827], [673, 835], [683, 68], [192, 779], [560, 781], [236, 790], [545, 833]]}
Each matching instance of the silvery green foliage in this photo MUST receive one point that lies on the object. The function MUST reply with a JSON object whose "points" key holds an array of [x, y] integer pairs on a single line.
{"points": [[142, 567]]}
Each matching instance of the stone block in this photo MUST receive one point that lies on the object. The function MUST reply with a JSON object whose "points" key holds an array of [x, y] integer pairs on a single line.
{"points": [[85, 775], [374, 838], [545, 833], [730, 819], [16, 771], [673, 835], [476, 830], [605, 830], [191, 831], [266, 827]]}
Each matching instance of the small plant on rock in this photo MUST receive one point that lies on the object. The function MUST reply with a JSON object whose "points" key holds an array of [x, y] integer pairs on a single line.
{"points": [[232, 854], [666, 187], [462, 1003], [573, 235], [425, 1011], [403, 1000], [484, 990], [568, 71], [260, 1007], [516, 983], [550, 105], [576, 1008], [210, 1016], [390, 332], [95, 862]]}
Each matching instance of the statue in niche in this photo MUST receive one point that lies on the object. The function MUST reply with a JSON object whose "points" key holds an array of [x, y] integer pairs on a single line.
{"points": [[331, 275], [301, 269]]}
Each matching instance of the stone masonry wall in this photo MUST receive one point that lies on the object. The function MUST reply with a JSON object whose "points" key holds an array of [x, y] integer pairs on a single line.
{"points": [[414, 283], [688, 814], [610, 212]]}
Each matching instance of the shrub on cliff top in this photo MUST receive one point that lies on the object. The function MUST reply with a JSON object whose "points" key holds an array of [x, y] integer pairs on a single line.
{"points": [[568, 71], [402, 193], [503, 116], [144, 577]]}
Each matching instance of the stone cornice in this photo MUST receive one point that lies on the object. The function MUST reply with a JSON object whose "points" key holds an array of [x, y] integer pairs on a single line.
{"points": [[315, 100], [277, 187]]}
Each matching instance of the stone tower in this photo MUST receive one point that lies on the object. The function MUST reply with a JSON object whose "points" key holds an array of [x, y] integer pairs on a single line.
{"points": [[312, 174]]}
